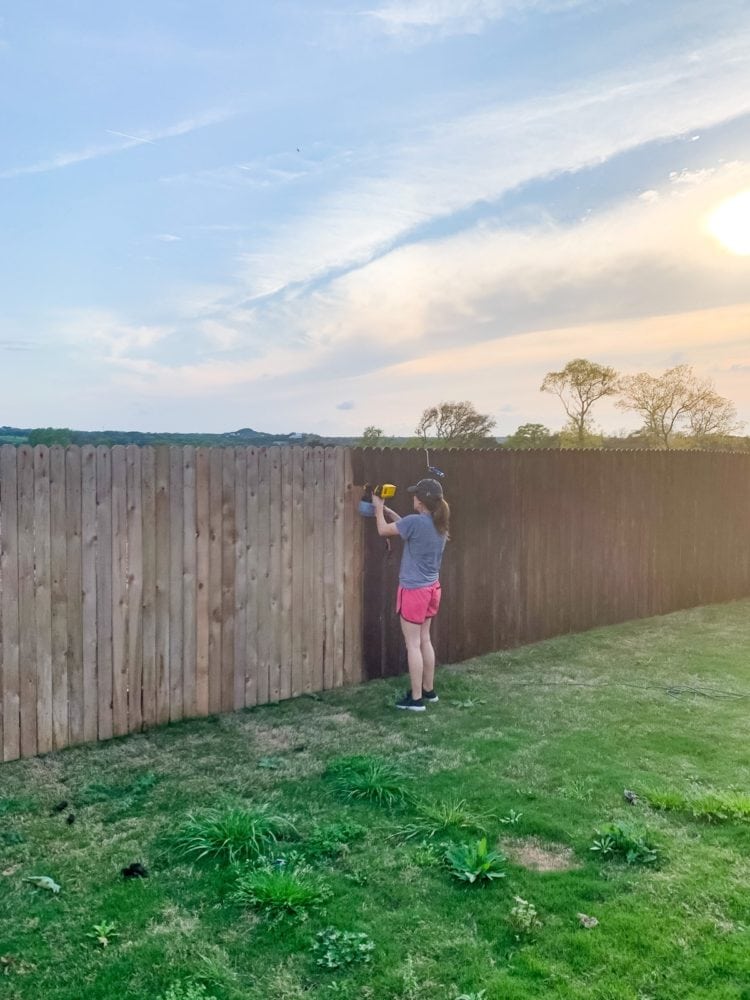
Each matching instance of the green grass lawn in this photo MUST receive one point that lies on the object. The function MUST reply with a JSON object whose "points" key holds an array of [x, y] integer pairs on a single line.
{"points": [[533, 746]]}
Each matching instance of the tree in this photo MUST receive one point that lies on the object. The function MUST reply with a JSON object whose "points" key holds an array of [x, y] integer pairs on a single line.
{"points": [[531, 436], [50, 436], [712, 415], [579, 385], [371, 437], [455, 424], [677, 401]]}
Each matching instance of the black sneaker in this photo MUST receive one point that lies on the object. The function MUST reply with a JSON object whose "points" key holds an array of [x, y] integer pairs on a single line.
{"points": [[430, 696], [411, 704]]}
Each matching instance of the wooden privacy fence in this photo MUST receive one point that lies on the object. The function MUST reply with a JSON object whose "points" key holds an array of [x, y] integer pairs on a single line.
{"points": [[549, 542], [140, 586]]}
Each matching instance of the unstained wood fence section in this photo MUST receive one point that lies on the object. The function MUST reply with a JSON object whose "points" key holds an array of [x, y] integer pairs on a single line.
{"points": [[140, 586]]}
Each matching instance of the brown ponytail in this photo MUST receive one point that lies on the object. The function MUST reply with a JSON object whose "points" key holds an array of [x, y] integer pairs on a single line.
{"points": [[441, 514]]}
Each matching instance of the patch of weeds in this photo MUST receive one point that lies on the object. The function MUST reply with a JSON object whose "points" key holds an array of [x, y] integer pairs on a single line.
{"points": [[11, 964], [271, 763], [468, 703], [439, 817], [103, 933], [412, 988], [524, 919], [577, 789], [480, 995], [619, 840], [10, 837], [712, 806], [367, 778], [98, 793], [12, 807], [429, 854], [475, 863], [186, 991], [280, 890], [230, 835], [332, 840], [512, 819], [335, 949]]}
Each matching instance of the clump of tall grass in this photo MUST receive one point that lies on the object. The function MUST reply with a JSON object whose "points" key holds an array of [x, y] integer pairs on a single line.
{"points": [[278, 889], [711, 806], [230, 834], [367, 778], [440, 817]]}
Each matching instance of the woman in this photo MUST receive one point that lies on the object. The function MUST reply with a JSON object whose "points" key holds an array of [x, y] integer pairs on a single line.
{"points": [[425, 533]]}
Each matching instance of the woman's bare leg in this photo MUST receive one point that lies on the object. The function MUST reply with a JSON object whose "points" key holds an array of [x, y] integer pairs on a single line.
{"points": [[413, 639], [428, 657]]}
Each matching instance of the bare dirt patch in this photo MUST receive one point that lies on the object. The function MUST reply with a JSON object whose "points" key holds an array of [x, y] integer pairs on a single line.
{"points": [[339, 718], [531, 853], [274, 738]]}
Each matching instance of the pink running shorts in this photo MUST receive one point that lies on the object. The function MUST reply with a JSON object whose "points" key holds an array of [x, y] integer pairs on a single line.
{"points": [[416, 606]]}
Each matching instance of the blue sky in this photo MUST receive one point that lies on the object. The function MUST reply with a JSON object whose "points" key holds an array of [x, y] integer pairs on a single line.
{"points": [[313, 217]]}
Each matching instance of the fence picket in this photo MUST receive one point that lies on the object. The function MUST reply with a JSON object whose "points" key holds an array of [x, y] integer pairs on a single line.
{"points": [[42, 600], [161, 596], [119, 592], [189, 585], [252, 543], [135, 586], [148, 507], [176, 573], [9, 603], [214, 579], [240, 577], [263, 529], [58, 593], [227, 579], [286, 580], [74, 593], [89, 595], [298, 572], [202, 573]]}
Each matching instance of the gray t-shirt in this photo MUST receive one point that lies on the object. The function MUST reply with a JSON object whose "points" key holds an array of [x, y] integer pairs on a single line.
{"points": [[423, 551]]}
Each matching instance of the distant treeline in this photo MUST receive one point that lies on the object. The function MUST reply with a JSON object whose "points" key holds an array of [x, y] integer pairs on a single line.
{"points": [[246, 437], [527, 436]]}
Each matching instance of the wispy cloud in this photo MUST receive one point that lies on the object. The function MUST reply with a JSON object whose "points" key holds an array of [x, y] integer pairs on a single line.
{"points": [[95, 152], [442, 170], [514, 300], [107, 333], [167, 238], [18, 345], [125, 135], [423, 18]]}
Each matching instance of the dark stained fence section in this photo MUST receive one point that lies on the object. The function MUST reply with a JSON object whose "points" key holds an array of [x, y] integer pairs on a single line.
{"points": [[549, 542]]}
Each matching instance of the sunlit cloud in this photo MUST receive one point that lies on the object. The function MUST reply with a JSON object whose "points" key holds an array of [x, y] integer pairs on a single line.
{"points": [[500, 294], [447, 168]]}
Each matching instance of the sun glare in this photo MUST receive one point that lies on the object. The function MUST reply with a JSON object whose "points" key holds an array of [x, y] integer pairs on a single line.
{"points": [[730, 223]]}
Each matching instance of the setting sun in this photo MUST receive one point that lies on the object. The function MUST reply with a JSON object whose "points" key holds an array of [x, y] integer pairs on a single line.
{"points": [[730, 223]]}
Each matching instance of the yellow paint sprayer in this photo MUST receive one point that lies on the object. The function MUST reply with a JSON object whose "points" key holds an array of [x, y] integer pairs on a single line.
{"points": [[386, 491]]}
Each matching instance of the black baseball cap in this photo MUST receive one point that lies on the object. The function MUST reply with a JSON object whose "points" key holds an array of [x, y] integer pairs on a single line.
{"points": [[427, 489]]}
